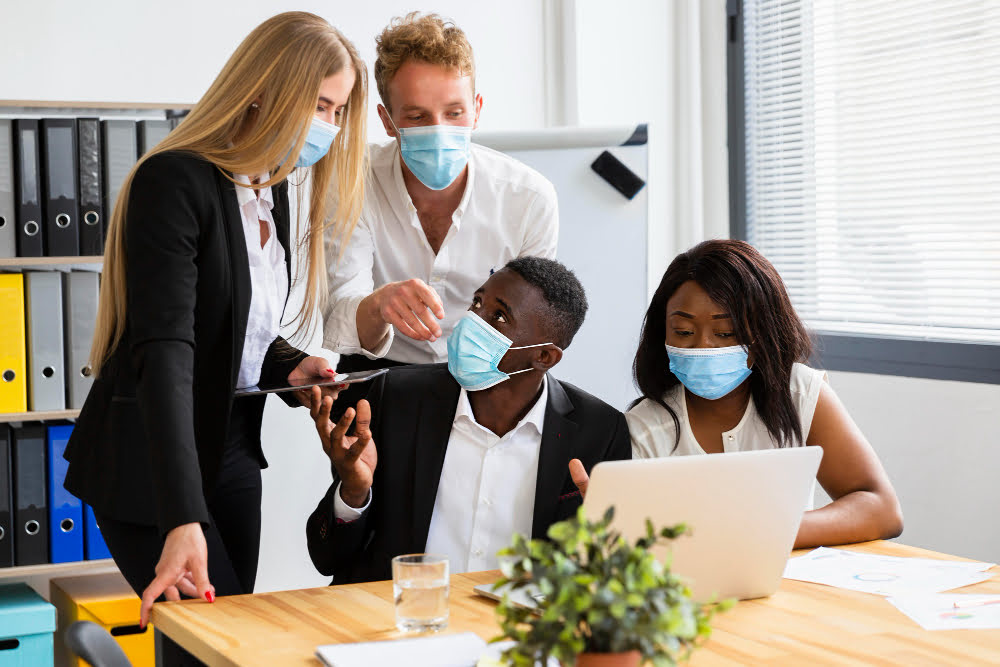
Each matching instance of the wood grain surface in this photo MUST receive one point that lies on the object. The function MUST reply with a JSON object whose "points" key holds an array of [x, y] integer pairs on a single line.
{"points": [[800, 624]]}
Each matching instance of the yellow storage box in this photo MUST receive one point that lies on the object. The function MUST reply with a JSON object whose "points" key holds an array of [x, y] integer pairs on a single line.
{"points": [[108, 600]]}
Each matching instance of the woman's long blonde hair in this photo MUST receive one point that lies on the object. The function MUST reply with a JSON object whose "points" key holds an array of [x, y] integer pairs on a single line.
{"points": [[279, 68]]}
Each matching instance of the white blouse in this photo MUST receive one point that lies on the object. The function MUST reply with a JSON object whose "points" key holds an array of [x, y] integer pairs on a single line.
{"points": [[653, 432], [268, 280]]}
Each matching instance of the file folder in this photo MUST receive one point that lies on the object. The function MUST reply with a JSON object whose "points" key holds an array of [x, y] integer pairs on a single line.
{"points": [[80, 294], [46, 366], [150, 133], [6, 500], [31, 515], [8, 237], [92, 215], [59, 153], [27, 189], [93, 540], [120, 154], [65, 509], [13, 365]]}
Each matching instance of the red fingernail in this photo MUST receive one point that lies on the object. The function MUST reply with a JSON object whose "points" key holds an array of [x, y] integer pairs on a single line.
{"points": [[209, 596]]}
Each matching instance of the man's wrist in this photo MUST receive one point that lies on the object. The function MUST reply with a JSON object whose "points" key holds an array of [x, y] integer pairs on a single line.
{"points": [[353, 497]]}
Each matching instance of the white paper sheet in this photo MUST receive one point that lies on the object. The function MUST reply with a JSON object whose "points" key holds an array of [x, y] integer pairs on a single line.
{"points": [[938, 612], [884, 575], [461, 650]]}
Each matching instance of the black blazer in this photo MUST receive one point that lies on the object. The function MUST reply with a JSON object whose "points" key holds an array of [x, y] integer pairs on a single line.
{"points": [[413, 409], [151, 434]]}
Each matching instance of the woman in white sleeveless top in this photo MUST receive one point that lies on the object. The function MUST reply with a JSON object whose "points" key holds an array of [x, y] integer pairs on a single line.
{"points": [[721, 369]]}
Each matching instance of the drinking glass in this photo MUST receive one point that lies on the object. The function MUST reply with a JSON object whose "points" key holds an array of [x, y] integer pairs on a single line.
{"points": [[420, 589]]}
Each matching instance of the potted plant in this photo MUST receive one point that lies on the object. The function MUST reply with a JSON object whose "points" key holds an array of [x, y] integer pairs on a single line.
{"points": [[603, 601]]}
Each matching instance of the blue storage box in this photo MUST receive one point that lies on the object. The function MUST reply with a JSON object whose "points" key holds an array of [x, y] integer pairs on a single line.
{"points": [[26, 625]]}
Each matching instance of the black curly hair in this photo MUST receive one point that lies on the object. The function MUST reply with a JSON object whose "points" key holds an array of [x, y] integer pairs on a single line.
{"points": [[562, 291]]}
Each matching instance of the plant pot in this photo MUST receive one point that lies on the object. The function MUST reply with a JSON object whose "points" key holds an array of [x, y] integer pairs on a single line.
{"points": [[626, 659]]}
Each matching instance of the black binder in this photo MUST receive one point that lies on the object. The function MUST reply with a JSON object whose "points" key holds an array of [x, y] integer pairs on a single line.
{"points": [[62, 235], [28, 189], [150, 133], [92, 218], [31, 512], [6, 500]]}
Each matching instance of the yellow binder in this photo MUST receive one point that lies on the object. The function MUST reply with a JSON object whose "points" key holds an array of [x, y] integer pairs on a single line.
{"points": [[13, 372]]}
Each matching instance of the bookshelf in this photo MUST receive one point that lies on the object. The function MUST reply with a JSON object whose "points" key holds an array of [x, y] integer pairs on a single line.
{"points": [[121, 113], [38, 416], [48, 262], [55, 569]]}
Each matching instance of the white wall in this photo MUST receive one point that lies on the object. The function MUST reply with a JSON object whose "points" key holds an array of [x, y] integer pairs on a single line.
{"points": [[663, 63], [939, 442], [127, 51]]}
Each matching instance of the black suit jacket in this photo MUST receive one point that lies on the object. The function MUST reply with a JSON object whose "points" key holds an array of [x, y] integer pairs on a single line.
{"points": [[413, 409], [152, 430]]}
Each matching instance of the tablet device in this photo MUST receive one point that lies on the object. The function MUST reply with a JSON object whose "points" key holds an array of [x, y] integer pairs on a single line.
{"points": [[306, 383]]}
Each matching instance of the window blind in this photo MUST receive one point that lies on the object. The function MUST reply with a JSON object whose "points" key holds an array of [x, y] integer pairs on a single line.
{"points": [[873, 162]]}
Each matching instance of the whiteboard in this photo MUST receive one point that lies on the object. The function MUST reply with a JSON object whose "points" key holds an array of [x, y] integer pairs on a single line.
{"points": [[602, 238]]}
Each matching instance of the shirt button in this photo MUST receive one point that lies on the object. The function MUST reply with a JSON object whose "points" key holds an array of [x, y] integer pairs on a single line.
{"points": [[477, 552], [732, 438], [487, 502]]}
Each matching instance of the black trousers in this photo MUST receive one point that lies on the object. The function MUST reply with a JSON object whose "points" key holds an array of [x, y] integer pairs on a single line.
{"points": [[352, 363], [233, 538]]}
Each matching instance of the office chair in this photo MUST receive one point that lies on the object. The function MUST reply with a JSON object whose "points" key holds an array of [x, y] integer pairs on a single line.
{"points": [[94, 644]]}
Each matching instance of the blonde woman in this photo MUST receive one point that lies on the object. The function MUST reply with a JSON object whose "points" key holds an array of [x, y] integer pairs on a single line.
{"points": [[196, 277]]}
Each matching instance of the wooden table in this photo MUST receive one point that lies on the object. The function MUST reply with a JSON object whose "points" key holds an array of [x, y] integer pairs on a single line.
{"points": [[801, 624]]}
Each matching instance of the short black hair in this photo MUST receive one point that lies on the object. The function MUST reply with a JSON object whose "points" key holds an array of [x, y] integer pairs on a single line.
{"points": [[562, 291]]}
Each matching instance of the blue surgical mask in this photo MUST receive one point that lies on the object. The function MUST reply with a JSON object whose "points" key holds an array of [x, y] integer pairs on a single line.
{"points": [[709, 372], [436, 154], [474, 351], [318, 142]]}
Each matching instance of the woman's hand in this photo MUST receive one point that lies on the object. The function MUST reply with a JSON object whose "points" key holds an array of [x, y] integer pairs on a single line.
{"points": [[183, 565], [312, 367]]}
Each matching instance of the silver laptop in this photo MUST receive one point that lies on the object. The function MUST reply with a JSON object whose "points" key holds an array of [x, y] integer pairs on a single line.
{"points": [[743, 510]]}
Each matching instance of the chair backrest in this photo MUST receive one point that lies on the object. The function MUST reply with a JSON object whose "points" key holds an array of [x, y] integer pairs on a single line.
{"points": [[94, 644]]}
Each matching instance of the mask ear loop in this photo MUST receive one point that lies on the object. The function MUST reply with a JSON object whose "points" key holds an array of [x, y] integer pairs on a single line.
{"points": [[525, 347]]}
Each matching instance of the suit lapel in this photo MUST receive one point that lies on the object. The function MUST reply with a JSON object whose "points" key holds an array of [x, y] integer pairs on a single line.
{"points": [[239, 264], [558, 438], [437, 415], [282, 223]]}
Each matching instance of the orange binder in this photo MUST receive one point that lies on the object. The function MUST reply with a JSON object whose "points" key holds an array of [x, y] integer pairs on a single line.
{"points": [[13, 371]]}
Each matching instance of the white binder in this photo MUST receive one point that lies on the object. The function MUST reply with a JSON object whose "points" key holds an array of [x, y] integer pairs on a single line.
{"points": [[46, 368], [8, 244], [80, 292]]}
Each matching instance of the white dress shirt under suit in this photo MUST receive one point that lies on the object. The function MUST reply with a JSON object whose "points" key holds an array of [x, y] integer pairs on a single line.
{"points": [[508, 210], [487, 489], [268, 280]]}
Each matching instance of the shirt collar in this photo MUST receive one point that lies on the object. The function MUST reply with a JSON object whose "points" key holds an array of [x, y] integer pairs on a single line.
{"points": [[535, 417], [407, 201], [245, 195]]}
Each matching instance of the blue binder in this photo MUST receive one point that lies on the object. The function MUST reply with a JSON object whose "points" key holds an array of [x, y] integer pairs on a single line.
{"points": [[93, 540], [65, 509]]}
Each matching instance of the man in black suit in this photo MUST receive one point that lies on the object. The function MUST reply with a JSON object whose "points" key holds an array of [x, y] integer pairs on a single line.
{"points": [[470, 452]]}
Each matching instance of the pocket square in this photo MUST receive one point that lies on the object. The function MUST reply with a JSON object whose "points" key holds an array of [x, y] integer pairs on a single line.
{"points": [[567, 496]]}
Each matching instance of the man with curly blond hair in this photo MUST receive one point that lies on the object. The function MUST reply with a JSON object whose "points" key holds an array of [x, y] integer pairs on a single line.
{"points": [[441, 213]]}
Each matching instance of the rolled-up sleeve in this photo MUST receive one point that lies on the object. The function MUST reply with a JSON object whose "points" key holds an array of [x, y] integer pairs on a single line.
{"points": [[541, 220]]}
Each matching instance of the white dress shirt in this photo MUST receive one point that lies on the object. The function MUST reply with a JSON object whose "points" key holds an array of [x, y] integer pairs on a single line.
{"points": [[487, 488], [268, 280], [508, 210]]}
